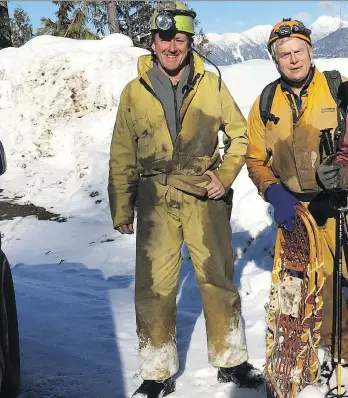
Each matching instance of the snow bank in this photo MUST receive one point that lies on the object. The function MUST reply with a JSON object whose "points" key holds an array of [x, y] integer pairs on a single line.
{"points": [[58, 100], [59, 78]]}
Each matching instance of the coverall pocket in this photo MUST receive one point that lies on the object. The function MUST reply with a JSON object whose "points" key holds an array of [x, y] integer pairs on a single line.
{"points": [[146, 140]]}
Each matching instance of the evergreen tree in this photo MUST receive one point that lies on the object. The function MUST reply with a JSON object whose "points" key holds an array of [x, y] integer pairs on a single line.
{"points": [[202, 44], [5, 26], [98, 16], [21, 28], [112, 16], [73, 20], [134, 20]]}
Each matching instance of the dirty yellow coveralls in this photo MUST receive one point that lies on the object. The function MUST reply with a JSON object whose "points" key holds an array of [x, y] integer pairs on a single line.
{"points": [[288, 153], [164, 180]]}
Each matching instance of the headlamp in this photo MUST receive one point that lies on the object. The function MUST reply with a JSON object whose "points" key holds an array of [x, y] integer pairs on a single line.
{"points": [[165, 19], [286, 30]]}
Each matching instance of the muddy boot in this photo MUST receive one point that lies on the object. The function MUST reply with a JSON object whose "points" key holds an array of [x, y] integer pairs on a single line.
{"points": [[243, 375], [155, 389]]}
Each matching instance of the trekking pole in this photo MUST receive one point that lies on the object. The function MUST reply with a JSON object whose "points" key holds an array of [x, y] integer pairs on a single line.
{"points": [[337, 204]]}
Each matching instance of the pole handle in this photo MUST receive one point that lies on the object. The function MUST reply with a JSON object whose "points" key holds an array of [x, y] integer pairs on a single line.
{"points": [[326, 139]]}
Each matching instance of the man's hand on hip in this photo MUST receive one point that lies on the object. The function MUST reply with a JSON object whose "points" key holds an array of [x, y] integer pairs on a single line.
{"points": [[125, 229], [215, 189]]}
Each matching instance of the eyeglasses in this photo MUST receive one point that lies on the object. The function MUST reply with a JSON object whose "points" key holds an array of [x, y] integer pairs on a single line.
{"points": [[165, 19]]}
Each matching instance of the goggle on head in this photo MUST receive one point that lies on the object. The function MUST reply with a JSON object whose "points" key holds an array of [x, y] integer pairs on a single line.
{"points": [[166, 13]]}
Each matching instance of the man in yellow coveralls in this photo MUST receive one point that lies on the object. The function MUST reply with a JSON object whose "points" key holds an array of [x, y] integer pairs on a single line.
{"points": [[165, 160]]}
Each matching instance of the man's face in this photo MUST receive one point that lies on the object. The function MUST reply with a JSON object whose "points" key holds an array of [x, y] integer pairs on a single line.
{"points": [[171, 49], [294, 59]]}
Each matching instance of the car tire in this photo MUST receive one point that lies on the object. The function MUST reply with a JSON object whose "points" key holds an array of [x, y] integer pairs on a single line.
{"points": [[9, 337]]}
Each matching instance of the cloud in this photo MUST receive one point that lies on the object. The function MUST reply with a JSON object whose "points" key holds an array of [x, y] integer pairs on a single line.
{"points": [[303, 16], [240, 23], [327, 5]]}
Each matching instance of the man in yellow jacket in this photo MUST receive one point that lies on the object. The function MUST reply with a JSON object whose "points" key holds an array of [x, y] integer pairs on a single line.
{"points": [[285, 158], [165, 163]]}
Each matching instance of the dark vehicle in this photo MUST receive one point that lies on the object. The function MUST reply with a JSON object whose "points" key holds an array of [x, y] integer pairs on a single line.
{"points": [[9, 338]]}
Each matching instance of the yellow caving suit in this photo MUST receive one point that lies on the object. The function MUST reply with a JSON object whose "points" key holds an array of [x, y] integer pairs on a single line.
{"points": [[288, 153], [165, 180]]}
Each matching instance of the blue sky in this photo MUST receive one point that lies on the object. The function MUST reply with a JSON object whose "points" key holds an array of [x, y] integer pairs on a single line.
{"points": [[224, 16]]}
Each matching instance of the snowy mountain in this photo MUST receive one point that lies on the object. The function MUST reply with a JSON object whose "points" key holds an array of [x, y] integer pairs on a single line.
{"points": [[325, 25], [74, 280], [335, 45], [231, 48]]}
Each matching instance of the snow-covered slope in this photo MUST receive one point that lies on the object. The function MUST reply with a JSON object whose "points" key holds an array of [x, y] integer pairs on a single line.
{"points": [[231, 48], [332, 46], [74, 281], [325, 25], [257, 34]]}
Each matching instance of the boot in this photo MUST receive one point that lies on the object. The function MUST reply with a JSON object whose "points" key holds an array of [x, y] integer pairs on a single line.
{"points": [[244, 375], [155, 389], [326, 372]]}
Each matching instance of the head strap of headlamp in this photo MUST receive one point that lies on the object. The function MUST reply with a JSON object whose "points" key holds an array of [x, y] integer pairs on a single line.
{"points": [[187, 13], [169, 6]]}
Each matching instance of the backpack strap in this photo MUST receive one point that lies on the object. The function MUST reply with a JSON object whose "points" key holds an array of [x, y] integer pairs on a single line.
{"points": [[343, 97], [266, 100], [334, 81]]}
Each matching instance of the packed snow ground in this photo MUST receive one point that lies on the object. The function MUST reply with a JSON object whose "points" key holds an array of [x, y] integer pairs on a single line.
{"points": [[74, 280]]}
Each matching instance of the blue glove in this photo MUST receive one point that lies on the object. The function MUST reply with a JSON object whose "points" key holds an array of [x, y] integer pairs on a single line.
{"points": [[284, 206]]}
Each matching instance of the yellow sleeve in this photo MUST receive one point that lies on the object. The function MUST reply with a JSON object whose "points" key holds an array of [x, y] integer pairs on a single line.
{"points": [[234, 125], [123, 174], [257, 158]]}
